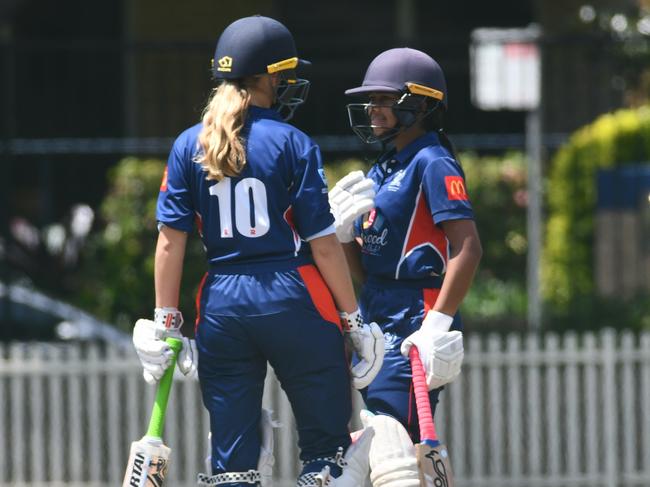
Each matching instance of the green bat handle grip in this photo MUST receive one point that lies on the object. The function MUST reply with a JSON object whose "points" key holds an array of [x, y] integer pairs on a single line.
{"points": [[157, 421]]}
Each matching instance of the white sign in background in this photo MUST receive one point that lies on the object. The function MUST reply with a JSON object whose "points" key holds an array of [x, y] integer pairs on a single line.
{"points": [[506, 76]]}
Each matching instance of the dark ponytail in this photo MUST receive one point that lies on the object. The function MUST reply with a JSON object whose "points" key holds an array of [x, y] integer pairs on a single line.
{"points": [[447, 144], [434, 122]]}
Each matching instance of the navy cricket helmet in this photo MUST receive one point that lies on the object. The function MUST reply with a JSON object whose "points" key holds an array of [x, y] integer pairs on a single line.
{"points": [[261, 45], [408, 73]]}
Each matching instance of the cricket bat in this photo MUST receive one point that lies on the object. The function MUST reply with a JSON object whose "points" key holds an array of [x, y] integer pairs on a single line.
{"points": [[432, 456], [149, 457]]}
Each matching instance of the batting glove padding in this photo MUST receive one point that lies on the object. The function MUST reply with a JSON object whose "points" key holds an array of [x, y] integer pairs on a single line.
{"points": [[154, 353], [367, 341], [441, 350], [351, 197]]}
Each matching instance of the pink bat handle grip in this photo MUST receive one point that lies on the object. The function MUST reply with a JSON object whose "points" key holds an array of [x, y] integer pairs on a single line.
{"points": [[422, 404]]}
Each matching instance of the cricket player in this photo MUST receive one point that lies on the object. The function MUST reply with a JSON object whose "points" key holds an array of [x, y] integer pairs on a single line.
{"points": [[417, 250], [278, 289]]}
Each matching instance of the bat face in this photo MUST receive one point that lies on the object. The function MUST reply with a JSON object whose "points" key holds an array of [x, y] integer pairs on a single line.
{"points": [[147, 465], [434, 466], [432, 457]]}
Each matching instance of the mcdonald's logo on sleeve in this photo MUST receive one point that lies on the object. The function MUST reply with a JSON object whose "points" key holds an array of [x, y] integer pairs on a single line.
{"points": [[455, 188], [163, 184]]}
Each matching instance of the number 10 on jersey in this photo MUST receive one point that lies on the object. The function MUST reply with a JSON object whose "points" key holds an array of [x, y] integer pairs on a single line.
{"points": [[250, 207]]}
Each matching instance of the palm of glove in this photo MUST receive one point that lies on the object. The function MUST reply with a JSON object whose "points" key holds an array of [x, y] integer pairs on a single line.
{"points": [[351, 197], [441, 351], [367, 341]]}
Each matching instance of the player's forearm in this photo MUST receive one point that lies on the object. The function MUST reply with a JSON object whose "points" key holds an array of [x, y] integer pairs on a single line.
{"points": [[353, 257], [461, 268], [330, 260], [168, 267]]}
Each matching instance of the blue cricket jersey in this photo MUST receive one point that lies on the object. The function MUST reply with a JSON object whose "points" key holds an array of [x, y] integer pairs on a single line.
{"points": [[417, 188], [263, 214]]}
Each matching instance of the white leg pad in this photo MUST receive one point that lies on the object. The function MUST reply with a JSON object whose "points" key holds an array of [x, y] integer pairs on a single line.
{"points": [[356, 464], [266, 459], [392, 455], [208, 457]]}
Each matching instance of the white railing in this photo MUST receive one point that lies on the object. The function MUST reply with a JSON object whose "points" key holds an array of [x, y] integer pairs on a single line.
{"points": [[567, 410]]}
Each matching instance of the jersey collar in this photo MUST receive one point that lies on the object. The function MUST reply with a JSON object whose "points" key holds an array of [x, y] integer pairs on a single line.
{"points": [[390, 160], [256, 113], [407, 153]]}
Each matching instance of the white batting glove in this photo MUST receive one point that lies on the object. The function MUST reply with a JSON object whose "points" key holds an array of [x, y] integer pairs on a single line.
{"points": [[352, 196], [154, 353], [367, 340], [441, 350]]}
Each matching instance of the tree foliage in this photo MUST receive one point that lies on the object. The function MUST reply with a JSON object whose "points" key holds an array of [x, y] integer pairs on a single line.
{"points": [[116, 280], [568, 282], [613, 139]]}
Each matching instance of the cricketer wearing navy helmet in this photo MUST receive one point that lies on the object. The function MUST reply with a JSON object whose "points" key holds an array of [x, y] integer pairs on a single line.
{"points": [[278, 290], [418, 247]]}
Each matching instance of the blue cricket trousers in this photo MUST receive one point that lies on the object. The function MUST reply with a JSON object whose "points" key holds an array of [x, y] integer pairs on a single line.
{"points": [[286, 317]]}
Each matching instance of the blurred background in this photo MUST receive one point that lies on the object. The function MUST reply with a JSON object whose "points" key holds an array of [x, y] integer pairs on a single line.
{"points": [[92, 95]]}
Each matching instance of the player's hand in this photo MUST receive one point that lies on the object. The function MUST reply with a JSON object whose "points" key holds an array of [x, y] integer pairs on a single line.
{"points": [[352, 196], [441, 350], [367, 341], [154, 353]]}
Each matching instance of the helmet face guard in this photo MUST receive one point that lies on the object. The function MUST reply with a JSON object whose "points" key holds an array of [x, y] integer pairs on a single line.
{"points": [[407, 110], [361, 124], [290, 94]]}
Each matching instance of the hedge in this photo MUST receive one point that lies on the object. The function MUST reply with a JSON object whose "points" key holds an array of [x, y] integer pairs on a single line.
{"points": [[614, 139]]}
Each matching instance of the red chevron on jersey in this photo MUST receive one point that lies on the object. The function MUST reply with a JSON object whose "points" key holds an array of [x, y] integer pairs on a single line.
{"points": [[422, 232], [455, 188], [288, 217]]}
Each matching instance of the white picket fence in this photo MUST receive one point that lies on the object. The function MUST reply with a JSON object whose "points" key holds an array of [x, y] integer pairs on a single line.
{"points": [[571, 410]]}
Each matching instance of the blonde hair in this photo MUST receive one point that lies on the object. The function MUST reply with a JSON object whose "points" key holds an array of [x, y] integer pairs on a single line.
{"points": [[223, 149]]}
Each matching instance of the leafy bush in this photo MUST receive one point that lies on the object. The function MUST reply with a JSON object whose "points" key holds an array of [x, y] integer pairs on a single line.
{"points": [[116, 280], [495, 305], [497, 187], [614, 139]]}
